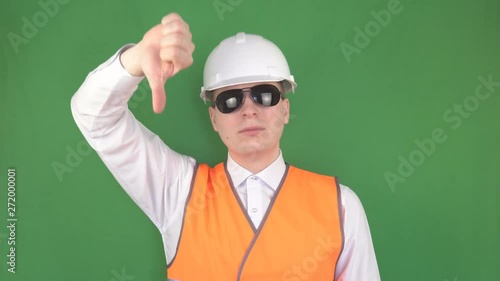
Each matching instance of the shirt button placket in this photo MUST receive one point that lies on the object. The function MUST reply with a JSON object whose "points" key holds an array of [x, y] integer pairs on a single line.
{"points": [[254, 200]]}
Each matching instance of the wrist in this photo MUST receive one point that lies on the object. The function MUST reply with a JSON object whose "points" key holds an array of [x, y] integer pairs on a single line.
{"points": [[131, 61]]}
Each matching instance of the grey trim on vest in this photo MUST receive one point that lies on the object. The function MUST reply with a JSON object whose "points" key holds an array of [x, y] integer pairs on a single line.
{"points": [[271, 204], [195, 172], [341, 221], [235, 193]]}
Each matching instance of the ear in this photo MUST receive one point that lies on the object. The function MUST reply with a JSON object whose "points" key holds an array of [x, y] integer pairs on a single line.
{"points": [[211, 112], [286, 111]]}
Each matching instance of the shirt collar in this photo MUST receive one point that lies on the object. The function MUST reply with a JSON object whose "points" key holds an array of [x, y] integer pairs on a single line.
{"points": [[271, 175]]}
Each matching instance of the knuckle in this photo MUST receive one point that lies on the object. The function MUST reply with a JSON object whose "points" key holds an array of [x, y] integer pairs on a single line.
{"points": [[171, 39], [176, 26], [177, 37], [164, 30]]}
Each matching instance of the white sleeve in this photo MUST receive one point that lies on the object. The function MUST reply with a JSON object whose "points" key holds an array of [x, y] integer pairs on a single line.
{"points": [[357, 261], [153, 175]]}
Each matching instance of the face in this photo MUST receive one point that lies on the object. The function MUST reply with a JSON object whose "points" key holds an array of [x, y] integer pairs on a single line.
{"points": [[252, 129]]}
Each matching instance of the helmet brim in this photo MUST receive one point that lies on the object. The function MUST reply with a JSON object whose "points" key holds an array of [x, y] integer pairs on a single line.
{"points": [[288, 84]]}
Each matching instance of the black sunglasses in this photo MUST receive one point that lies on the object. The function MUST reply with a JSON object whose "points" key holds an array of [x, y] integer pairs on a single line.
{"points": [[264, 94]]}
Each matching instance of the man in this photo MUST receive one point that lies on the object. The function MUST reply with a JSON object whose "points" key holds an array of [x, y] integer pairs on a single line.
{"points": [[253, 217]]}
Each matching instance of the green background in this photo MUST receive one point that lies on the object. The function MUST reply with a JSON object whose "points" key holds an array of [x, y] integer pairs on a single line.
{"points": [[350, 119]]}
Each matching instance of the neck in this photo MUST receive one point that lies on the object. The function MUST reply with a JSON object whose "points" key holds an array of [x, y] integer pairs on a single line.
{"points": [[255, 161]]}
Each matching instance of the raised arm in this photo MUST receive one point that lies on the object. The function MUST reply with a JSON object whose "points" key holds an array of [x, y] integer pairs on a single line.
{"points": [[156, 177]]}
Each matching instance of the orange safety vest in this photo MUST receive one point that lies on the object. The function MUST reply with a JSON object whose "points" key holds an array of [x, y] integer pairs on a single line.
{"points": [[299, 238]]}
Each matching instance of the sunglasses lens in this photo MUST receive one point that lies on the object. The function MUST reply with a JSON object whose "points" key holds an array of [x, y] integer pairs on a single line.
{"points": [[229, 101], [266, 95]]}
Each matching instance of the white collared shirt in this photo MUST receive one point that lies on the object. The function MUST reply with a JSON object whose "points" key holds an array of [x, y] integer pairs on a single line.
{"points": [[158, 179], [256, 190]]}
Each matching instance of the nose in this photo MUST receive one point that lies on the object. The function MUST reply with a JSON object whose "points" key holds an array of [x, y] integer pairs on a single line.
{"points": [[248, 108]]}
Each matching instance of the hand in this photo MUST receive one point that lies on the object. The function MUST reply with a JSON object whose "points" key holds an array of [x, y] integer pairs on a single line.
{"points": [[164, 50]]}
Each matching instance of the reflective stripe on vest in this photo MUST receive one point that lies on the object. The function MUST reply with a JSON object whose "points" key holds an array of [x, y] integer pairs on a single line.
{"points": [[299, 238]]}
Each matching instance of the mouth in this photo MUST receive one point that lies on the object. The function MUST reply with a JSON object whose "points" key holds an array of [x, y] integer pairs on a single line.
{"points": [[251, 130]]}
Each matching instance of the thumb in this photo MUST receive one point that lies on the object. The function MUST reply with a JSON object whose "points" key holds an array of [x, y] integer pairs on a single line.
{"points": [[157, 73]]}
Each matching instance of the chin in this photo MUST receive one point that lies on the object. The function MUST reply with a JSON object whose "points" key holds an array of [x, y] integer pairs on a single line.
{"points": [[252, 148]]}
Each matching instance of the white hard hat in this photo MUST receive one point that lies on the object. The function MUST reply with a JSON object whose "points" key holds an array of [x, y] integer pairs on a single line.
{"points": [[245, 58]]}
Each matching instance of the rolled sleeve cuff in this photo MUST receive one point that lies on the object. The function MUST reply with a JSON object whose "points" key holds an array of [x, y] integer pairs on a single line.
{"points": [[112, 74]]}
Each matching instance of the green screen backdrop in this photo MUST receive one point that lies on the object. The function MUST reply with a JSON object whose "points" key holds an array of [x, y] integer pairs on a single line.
{"points": [[399, 99]]}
